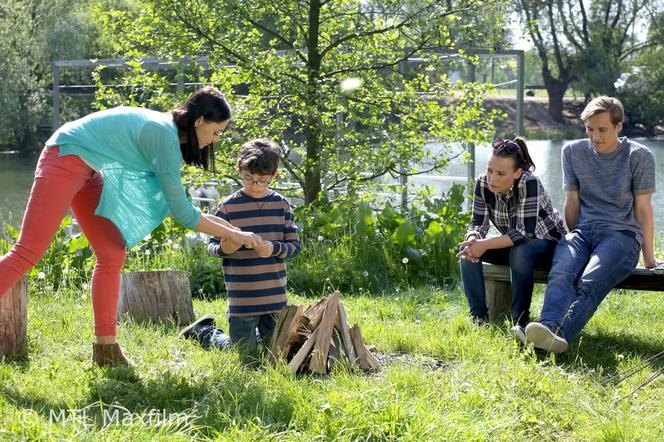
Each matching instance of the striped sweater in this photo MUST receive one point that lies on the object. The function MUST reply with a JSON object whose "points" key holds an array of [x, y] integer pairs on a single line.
{"points": [[256, 285]]}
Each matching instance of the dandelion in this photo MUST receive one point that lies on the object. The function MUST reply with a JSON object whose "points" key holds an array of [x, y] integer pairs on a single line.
{"points": [[365, 273], [41, 275], [320, 237], [405, 260]]}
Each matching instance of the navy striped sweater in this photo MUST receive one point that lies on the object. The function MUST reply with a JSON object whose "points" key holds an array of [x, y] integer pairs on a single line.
{"points": [[256, 285]]}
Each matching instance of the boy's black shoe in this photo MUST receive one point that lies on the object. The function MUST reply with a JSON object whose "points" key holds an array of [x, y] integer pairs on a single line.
{"points": [[192, 330]]}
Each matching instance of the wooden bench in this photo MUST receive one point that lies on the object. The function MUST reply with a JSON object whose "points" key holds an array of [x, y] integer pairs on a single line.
{"points": [[499, 287]]}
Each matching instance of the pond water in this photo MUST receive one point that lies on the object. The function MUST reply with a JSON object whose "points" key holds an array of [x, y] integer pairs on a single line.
{"points": [[17, 172]]}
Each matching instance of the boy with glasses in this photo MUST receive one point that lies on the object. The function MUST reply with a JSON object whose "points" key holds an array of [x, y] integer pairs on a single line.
{"points": [[255, 278]]}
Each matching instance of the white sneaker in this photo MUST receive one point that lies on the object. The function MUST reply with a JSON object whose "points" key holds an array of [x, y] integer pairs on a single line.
{"points": [[544, 339], [519, 333]]}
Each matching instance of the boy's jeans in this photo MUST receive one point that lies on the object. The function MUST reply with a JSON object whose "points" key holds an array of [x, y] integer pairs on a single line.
{"points": [[243, 332], [587, 264], [522, 260]]}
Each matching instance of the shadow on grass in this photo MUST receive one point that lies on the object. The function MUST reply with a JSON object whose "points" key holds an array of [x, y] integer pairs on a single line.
{"points": [[605, 352], [212, 405]]}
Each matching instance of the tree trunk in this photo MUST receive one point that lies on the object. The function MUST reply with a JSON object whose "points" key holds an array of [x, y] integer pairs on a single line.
{"points": [[312, 175], [156, 296], [14, 318]]}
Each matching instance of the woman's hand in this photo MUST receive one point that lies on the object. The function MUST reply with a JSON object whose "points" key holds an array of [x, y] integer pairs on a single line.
{"points": [[247, 239], [471, 249]]}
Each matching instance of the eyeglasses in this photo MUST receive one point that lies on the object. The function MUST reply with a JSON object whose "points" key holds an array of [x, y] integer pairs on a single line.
{"points": [[260, 183]]}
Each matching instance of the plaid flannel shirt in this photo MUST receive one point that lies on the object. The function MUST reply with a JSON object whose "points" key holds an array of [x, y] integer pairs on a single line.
{"points": [[527, 215]]}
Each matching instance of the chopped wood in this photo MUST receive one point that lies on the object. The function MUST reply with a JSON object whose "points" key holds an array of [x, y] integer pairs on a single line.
{"points": [[365, 359], [318, 337], [318, 362], [303, 353], [342, 326], [314, 314], [286, 331]]}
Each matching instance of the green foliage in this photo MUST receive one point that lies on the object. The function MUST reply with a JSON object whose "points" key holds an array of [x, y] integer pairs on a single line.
{"points": [[643, 93], [34, 33], [350, 247], [292, 59]]}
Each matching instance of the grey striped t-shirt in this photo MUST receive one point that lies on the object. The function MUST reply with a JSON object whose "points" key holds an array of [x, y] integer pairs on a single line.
{"points": [[607, 184]]}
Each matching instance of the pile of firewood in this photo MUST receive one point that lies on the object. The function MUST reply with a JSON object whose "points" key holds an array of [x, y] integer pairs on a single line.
{"points": [[315, 339]]}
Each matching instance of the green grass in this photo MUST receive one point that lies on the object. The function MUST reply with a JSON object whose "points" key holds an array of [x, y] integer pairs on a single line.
{"points": [[487, 389]]}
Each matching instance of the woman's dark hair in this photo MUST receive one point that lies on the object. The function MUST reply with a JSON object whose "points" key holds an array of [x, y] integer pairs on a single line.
{"points": [[209, 103], [515, 149]]}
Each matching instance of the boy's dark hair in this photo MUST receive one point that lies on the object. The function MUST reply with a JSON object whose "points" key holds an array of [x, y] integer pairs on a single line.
{"points": [[209, 103], [260, 156]]}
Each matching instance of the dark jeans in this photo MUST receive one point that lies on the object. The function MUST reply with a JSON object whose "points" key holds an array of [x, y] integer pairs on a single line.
{"points": [[245, 331], [522, 260], [588, 263]]}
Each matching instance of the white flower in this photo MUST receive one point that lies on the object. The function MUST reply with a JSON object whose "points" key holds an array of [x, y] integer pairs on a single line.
{"points": [[65, 270], [41, 275], [405, 260], [147, 237], [84, 286], [176, 246], [147, 252], [320, 237], [361, 289], [365, 273]]}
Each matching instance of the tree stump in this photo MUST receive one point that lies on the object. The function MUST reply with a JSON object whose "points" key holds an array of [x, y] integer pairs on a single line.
{"points": [[14, 318], [162, 296]]}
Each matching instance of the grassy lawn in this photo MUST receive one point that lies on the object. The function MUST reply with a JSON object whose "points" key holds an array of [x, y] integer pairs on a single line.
{"points": [[481, 386]]}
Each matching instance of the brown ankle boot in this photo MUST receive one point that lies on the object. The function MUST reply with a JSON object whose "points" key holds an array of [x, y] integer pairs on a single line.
{"points": [[109, 354]]}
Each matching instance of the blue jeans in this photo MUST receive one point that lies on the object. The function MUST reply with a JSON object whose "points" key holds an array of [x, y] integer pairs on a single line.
{"points": [[522, 260], [245, 331], [587, 264]]}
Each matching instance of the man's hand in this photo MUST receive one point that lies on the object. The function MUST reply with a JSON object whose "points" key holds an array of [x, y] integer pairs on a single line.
{"points": [[264, 249]]}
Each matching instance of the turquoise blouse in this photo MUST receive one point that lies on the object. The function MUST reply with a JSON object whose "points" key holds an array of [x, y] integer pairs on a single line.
{"points": [[137, 153]]}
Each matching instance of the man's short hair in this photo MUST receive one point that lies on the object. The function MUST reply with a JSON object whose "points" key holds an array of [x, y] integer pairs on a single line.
{"points": [[260, 156], [605, 104]]}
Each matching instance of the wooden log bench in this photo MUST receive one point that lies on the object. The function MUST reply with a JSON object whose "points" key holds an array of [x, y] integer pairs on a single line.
{"points": [[498, 286], [14, 319], [159, 296]]}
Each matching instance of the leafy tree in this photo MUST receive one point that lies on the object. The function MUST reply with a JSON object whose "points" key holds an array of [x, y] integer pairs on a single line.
{"points": [[587, 42], [327, 78], [33, 33]]}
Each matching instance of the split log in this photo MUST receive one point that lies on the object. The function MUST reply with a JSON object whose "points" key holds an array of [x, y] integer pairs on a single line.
{"points": [[313, 314], [318, 362], [14, 319], [162, 296], [365, 359], [344, 331], [303, 353], [285, 333]]}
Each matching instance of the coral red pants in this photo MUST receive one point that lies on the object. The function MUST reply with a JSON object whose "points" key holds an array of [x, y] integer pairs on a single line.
{"points": [[60, 183]]}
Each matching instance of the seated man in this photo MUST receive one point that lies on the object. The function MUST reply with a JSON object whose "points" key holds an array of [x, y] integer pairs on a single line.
{"points": [[609, 183]]}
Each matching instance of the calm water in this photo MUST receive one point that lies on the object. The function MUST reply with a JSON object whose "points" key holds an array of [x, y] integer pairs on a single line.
{"points": [[17, 172]]}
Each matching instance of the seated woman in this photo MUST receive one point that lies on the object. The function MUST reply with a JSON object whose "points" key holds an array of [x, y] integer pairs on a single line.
{"points": [[515, 201]]}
